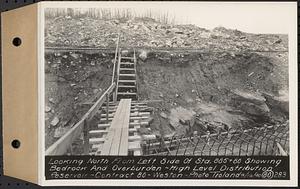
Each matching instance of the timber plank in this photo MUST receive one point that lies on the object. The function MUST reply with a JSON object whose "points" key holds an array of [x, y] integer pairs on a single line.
{"points": [[123, 150], [111, 132]]}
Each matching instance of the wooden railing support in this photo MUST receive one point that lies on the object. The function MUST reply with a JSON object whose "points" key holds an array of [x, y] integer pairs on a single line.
{"points": [[107, 107], [114, 97], [86, 144]]}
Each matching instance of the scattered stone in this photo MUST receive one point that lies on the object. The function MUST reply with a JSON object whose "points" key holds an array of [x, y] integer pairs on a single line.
{"points": [[75, 56], [65, 56], [95, 91], [73, 84], [51, 100], [149, 120], [55, 121], [278, 41], [47, 109], [61, 79], [163, 115], [54, 65], [143, 55], [60, 131]]}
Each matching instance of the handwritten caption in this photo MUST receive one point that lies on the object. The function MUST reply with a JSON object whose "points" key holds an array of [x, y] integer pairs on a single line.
{"points": [[159, 167]]}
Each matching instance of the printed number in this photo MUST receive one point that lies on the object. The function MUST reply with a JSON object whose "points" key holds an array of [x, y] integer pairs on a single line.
{"points": [[221, 160], [141, 175], [237, 161], [279, 174]]}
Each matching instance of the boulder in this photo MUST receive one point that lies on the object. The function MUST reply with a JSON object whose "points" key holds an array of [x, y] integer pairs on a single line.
{"points": [[181, 116], [163, 115], [55, 121], [47, 109], [143, 55]]}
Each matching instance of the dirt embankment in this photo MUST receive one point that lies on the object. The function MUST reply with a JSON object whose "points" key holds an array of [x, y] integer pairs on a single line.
{"points": [[72, 79], [214, 89]]}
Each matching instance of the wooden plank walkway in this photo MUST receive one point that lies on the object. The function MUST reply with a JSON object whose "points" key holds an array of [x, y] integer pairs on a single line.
{"points": [[116, 141]]}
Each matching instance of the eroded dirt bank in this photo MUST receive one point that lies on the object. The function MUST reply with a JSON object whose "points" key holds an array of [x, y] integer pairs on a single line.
{"points": [[71, 79], [203, 90]]}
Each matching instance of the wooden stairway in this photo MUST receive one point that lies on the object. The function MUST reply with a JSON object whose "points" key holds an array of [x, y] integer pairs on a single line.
{"points": [[126, 79], [110, 137]]}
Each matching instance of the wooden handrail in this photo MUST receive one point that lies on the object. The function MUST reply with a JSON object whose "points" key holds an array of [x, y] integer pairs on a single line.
{"points": [[61, 146], [115, 59]]}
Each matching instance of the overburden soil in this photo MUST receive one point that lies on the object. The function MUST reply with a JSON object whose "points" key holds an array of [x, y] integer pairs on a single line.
{"points": [[229, 90], [71, 80]]}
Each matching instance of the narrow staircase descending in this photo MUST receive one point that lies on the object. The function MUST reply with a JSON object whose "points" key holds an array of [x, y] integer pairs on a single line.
{"points": [[126, 79]]}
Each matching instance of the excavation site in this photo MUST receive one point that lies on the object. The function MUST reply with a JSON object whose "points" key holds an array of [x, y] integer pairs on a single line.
{"points": [[142, 86]]}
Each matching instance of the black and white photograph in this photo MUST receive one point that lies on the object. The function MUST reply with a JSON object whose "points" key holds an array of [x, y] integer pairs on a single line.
{"points": [[122, 81], [168, 90]]}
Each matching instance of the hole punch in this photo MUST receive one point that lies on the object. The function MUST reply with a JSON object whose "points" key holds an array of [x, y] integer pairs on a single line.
{"points": [[16, 144], [17, 41]]}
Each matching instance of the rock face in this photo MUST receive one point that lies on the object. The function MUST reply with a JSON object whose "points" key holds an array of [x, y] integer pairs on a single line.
{"points": [[253, 104], [279, 104], [181, 116]]}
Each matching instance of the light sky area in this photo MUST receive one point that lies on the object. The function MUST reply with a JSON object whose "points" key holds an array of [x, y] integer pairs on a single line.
{"points": [[255, 17]]}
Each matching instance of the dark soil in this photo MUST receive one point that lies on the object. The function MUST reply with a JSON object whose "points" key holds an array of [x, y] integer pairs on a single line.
{"points": [[72, 79]]}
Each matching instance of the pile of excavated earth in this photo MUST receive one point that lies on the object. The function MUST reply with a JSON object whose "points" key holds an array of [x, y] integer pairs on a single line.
{"points": [[141, 32]]}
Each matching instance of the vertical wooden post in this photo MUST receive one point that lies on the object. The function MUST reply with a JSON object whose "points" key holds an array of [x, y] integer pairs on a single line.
{"points": [[114, 97], [86, 142], [107, 107]]}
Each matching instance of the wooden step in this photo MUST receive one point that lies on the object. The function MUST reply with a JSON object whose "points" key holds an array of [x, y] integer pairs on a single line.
{"points": [[97, 132], [131, 114], [104, 125], [127, 81], [139, 117], [126, 86], [134, 145], [126, 63], [127, 69], [133, 109], [96, 140], [132, 130], [142, 123], [140, 114], [109, 115], [97, 147], [137, 152], [129, 75], [127, 58], [134, 138], [125, 93]]}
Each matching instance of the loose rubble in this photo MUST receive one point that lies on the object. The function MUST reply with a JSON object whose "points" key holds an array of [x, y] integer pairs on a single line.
{"points": [[139, 32]]}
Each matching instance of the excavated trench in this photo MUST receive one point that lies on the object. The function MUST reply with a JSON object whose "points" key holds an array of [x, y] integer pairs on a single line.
{"points": [[188, 90]]}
